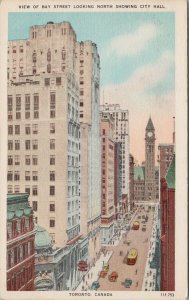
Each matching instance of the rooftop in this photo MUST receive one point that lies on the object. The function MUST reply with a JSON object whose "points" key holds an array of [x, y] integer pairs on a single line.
{"points": [[170, 177], [150, 125], [139, 173]]}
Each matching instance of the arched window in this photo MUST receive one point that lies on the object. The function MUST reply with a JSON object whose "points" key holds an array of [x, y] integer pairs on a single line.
{"points": [[49, 68]]}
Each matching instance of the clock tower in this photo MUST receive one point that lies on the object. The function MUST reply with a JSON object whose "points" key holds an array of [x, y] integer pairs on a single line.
{"points": [[150, 161]]}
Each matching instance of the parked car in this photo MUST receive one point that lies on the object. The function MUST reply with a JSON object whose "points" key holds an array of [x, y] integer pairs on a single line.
{"points": [[103, 274], [127, 283], [95, 285], [113, 277]]}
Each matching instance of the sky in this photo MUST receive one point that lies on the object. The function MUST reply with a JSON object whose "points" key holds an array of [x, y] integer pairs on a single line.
{"points": [[137, 53]]}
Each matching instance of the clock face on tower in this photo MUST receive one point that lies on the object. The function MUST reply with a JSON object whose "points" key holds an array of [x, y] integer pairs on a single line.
{"points": [[150, 134]]}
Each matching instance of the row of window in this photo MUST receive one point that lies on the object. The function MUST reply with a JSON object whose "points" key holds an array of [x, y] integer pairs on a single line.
{"points": [[27, 115], [19, 227], [20, 253], [30, 144], [35, 206], [16, 129]]}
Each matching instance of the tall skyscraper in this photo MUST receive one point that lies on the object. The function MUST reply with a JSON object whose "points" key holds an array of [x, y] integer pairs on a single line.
{"points": [[88, 73], [150, 162], [121, 134], [52, 87]]}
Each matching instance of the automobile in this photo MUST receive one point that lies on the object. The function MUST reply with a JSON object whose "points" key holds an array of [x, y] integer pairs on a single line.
{"points": [[103, 274], [127, 283], [127, 226], [95, 285], [143, 228], [113, 277], [139, 217], [106, 267], [143, 222], [136, 225]]}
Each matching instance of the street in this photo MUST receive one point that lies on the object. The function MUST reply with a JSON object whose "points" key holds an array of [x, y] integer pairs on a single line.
{"points": [[138, 239]]}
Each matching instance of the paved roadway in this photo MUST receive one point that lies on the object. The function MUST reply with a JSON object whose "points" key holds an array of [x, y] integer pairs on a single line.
{"points": [[139, 241]]}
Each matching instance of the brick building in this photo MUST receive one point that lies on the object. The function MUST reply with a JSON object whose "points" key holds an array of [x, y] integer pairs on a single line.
{"points": [[117, 180], [167, 209], [20, 244], [165, 157], [131, 180], [107, 202]]}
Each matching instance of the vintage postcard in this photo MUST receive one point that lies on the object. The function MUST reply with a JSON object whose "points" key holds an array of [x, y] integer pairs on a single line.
{"points": [[93, 149]]}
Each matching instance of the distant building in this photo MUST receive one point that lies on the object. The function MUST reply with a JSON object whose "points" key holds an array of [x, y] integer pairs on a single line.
{"points": [[107, 202], [139, 183], [157, 183], [131, 180], [121, 134], [150, 161], [167, 209], [20, 244], [165, 157], [117, 180]]}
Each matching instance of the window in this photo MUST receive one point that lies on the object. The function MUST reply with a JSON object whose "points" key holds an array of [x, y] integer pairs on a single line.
{"points": [[52, 190], [17, 145], [27, 190], [35, 175], [17, 129], [35, 128], [36, 102], [52, 100], [18, 115], [52, 144], [27, 144], [27, 114], [17, 189], [52, 114], [58, 80], [18, 102], [10, 129], [10, 190], [81, 92], [34, 190], [35, 144], [48, 54], [27, 160], [34, 205], [27, 175], [10, 176], [47, 81], [27, 102], [36, 114], [48, 68], [17, 160], [17, 175], [52, 159], [34, 57], [10, 145], [52, 222], [35, 160], [81, 115], [52, 127], [81, 103], [27, 129], [52, 207], [52, 175], [10, 103]]}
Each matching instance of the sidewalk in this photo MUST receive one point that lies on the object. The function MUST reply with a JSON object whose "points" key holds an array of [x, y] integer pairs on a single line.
{"points": [[93, 273]]}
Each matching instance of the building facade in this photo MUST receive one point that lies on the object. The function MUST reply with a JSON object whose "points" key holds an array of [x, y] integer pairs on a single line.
{"points": [[131, 180], [117, 180], [107, 202], [167, 209], [88, 73], [150, 162], [165, 157], [53, 87], [139, 183], [56, 268], [121, 134], [20, 244]]}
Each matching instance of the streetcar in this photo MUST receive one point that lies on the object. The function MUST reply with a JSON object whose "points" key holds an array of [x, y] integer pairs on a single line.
{"points": [[132, 256]]}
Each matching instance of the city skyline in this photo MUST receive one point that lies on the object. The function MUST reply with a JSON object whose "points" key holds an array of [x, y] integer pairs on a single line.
{"points": [[142, 80]]}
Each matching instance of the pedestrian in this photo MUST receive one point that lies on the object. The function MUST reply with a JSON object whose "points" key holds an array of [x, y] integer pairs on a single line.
{"points": [[137, 284], [82, 287], [136, 271]]}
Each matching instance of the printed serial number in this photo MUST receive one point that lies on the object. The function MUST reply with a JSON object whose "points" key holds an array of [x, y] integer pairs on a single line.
{"points": [[167, 294]]}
